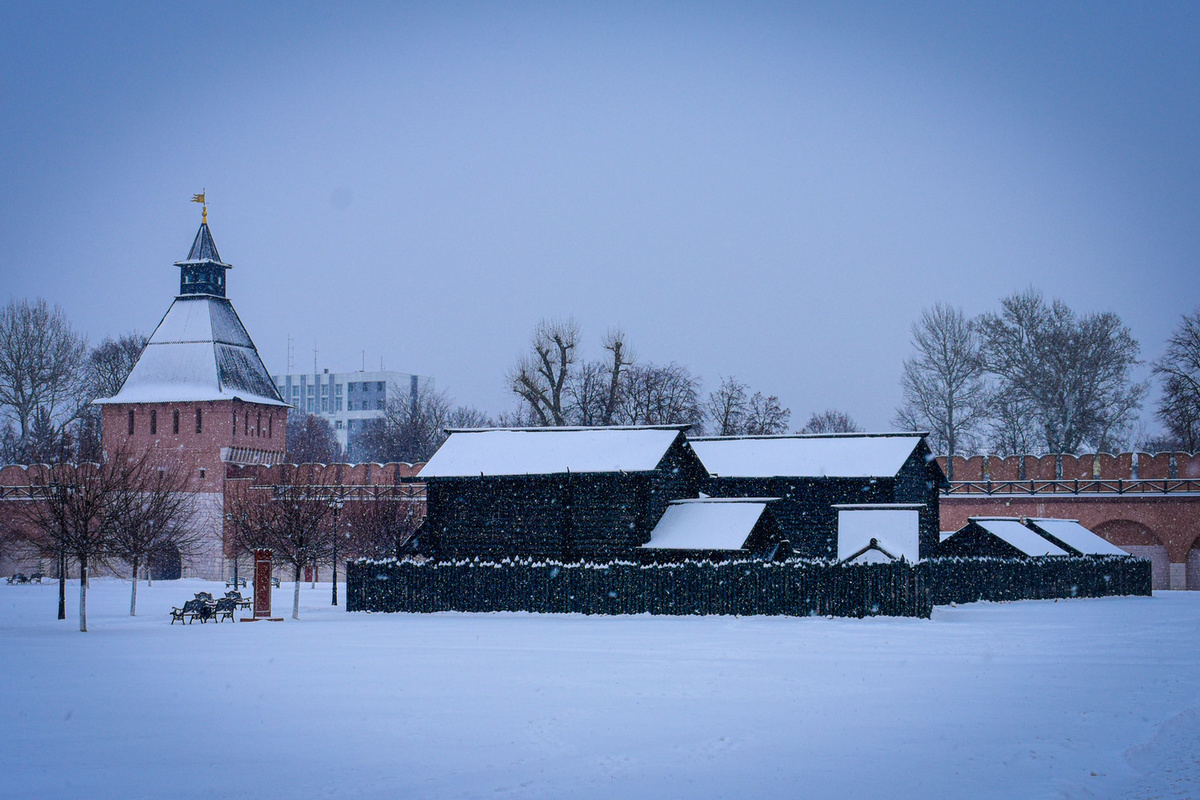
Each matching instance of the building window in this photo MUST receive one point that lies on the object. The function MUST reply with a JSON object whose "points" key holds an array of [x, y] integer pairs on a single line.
{"points": [[199, 420], [175, 420], [153, 422], [202, 473], [258, 425], [379, 405], [324, 403], [338, 389], [235, 423], [131, 422], [270, 425], [337, 404]]}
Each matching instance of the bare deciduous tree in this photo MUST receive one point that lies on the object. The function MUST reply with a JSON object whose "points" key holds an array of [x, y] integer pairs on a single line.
{"points": [[1179, 368], [379, 528], [151, 513], [41, 376], [830, 421], [660, 395], [1072, 372], [310, 439], [765, 415], [290, 519], [413, 428], [732, 411], [82, 507], [110, 362], [944, 385], [540, 377]]}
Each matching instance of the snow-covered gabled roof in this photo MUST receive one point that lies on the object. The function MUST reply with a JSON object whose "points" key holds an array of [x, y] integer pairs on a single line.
{"points": [[541, 451], [707, 524], [856, 455], [1011, 531], [1074, 535], [200, 351]]}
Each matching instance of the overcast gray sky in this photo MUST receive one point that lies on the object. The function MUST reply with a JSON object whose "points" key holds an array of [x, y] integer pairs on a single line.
{"points": [[770, 191]]}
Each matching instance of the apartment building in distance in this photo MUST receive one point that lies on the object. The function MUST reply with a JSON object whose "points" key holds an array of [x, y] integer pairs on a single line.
{"points": [[348, 399]]}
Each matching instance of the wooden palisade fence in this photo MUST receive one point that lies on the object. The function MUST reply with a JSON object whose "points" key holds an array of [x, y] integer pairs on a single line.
{"points": [[790, 588], [793, 587], [965, 580]]}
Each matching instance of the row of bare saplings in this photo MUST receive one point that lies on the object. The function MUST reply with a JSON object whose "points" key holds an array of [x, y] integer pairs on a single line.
{"points": [[118, 514], [790, 588], [966, 580]]}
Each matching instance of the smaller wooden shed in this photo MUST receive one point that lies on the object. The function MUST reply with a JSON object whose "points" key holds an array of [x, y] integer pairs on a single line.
{"points": [[999, 537], [716, 529]]}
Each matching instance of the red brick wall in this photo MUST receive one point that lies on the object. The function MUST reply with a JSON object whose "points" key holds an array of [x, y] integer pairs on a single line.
{"points": [[196, 451]]}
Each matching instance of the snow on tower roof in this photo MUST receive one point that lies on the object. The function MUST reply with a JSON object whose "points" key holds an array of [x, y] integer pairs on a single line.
{"points": [[539, 451], [1010, 530], [200, 351], [1074, 535], [707, 524], [854, 455], [203, 248]]}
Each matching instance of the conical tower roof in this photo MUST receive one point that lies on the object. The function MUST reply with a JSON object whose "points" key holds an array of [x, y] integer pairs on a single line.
{"points": [[200, 350]]}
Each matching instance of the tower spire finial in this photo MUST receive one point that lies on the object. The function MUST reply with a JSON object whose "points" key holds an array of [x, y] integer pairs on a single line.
{"points": [[199, 198]]}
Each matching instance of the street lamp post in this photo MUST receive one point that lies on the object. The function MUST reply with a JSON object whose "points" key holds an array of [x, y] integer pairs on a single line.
{"points": [[236, 544], [336, 505]]}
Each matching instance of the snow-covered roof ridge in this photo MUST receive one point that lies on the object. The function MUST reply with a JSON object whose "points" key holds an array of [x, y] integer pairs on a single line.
{"points": [[687, 500], [565, 428], [541, 451], [840, 435], [855, 455]]}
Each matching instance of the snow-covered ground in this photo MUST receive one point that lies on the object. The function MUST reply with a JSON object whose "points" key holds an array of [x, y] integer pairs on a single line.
{"points": [[1074, 699]]}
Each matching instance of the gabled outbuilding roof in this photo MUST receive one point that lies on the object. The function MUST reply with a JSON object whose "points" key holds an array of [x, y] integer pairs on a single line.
{"points": [[1076, 537], [544, 451], [707, 524], [199, 351], [848, 455], [1012, 532]]}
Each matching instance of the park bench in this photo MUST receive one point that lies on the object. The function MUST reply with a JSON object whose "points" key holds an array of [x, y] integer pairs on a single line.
{"points": [[224, 608], [235, 582], [205, 596], [192, 610], [19, 577], [37, 577], [242, 602]]}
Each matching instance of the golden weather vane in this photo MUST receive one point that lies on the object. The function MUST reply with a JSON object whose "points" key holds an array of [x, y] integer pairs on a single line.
{"points": [[199, 198]]}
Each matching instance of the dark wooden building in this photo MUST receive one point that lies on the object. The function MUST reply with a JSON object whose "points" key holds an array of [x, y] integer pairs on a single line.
{"points": [[812, 475], [562, 493], [999, 537]]}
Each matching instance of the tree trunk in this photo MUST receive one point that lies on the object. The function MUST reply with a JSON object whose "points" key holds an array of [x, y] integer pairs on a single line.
{"points": [[83, 587], [62, 586], [296, 595], [133, 593]]}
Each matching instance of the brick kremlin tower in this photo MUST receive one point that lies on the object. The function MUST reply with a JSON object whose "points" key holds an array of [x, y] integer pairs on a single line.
{"points": [[200, 391]]}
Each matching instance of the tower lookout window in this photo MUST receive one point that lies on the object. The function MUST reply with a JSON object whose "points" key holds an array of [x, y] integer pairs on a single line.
{"points": [[199, 420], [153, 422], [131, 422], [175, 420]]}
